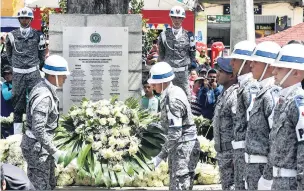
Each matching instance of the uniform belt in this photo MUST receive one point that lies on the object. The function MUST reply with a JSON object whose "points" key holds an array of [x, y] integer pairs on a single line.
{"points": [[255, 158], [26, 71], [238, 144], [180, 69], [185, 138], [283, 172], [30, 134], [223, 147]]}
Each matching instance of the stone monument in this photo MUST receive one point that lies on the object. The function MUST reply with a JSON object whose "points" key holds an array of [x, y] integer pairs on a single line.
{"points": [[133, 23]]}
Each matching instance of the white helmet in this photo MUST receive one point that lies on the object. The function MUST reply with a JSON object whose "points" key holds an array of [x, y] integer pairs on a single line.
{"points": [[56, 65], [161, 72], [243, 50], [25, 12], [266, 52], [291, 56], [177, 11]]}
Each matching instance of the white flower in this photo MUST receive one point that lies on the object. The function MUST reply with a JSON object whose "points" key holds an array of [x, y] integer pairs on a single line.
{"points": [[79, 129], [90, 112], [204, 143], [84, 104], [103, 121], [117, 168], [103, 138], [115, 132], [107, 153], [118, 155], [125, 131], [133, 149], [112, 141], [124, 119], [121, 144], [111, 121], [104, 111]]}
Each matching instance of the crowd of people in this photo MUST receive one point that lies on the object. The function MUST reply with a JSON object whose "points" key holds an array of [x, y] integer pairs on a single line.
{"points": [[253, 97]]}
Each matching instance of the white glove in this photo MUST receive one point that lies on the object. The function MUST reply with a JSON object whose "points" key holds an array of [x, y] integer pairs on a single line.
{"points": [[58, 154], [264, 184], [156, 161]]}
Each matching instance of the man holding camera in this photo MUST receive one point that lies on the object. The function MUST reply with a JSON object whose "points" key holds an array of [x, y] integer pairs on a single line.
{"points": [[209, 93]]}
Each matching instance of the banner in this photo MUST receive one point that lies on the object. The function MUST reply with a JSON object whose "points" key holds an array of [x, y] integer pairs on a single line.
{"points": [[201, 27]]}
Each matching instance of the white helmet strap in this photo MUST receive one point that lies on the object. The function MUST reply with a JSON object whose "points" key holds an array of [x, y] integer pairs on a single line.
{"points": [[241, 68], [285, 77], [265, 69], [57, 84]]}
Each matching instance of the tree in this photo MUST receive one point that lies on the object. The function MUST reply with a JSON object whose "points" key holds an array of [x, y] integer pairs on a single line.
{"points": [[98, 6]]}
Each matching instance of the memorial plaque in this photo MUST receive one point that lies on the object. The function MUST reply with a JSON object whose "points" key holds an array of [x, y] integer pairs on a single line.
{"points": [[98, 62]]}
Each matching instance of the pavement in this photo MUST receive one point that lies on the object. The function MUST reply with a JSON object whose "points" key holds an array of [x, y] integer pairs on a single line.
{"points": [[196, 187]]}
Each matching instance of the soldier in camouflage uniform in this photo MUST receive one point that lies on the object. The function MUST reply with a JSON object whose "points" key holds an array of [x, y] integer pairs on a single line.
{"points": [[38, 149], [177, 48], [182, 147], [248, 88], [25, 49], [258, 128], [224, 117], [287, 133]]}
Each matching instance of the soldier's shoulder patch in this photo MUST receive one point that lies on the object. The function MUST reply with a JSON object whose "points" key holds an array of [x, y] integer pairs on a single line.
{"points": [[299, 100], [254, 89]]}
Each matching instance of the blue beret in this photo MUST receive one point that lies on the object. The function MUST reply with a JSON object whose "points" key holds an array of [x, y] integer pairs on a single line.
{"points": [[224, 64]]}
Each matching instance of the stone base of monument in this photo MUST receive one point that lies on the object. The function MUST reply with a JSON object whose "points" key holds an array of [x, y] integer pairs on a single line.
{"points": [[196, 187]]}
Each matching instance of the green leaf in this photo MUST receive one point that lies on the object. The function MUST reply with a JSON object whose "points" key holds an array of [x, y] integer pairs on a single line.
{"points": [[83, 154], [142, 163], [69, 157], [120, 176], [114, 182], [98, 174], [128, 168], [106, 175]]}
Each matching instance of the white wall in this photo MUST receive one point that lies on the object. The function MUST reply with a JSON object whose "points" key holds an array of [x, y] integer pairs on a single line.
{"points": [[282, 9], [278, 9]]}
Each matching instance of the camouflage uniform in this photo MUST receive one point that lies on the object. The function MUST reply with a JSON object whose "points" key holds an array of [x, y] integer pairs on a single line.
{"points": [[257, 135], [224, 117], [286, 136], [37, 146], [24, 53], [182, 147], [179, 58], [245, 96]]}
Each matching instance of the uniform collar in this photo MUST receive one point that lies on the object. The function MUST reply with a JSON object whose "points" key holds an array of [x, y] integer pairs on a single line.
{"points": [[54, 88], [26, 31], [267, 82], [286, 91], [244, 78], [178, 31]]}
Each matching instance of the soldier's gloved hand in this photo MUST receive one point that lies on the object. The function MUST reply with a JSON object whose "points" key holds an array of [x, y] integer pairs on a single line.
{"points": [[264, 184], [59, 155], [156, 161]]}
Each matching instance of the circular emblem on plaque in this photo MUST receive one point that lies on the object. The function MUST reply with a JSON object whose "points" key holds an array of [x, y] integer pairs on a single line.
{"points": [[95, 38]]}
